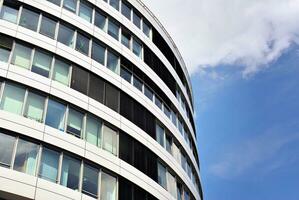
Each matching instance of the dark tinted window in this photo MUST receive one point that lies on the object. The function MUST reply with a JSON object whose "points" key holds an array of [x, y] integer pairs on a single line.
{"points": [[139, 194], [150, 124], [139, 116], [126, 106], [79, 80], [126, 148], [112, 97], [96, 88], [125, 189], [139, 157], [126, 74]]}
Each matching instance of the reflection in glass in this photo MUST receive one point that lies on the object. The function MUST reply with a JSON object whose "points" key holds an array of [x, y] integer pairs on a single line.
{"points": [[55, 115], [6, 148], [49, 165], [70, 172]]}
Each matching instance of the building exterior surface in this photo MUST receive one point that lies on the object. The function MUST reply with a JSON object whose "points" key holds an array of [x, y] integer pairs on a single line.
{"points": [[95, 103]]}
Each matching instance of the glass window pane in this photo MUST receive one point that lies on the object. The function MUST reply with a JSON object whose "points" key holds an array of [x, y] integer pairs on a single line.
{"points": [[126, 10], [113, 29], [55, 115], [57, 2], [29, 19], [112, 97], [167, 111], [169, 144], [186, 195], [90, 181], [82, 44], [146, 29], [171, 184], [85, 12], [173, 118], [110, 140], [176, 153], [79, 80], [114, 4], [26, 157], [34, 108], [96, 88], [70, 5], [125, 74], [41, 63], [113, 62], [98, 53], [136, 19], [75, 122], [61, 72], [21, 56], [137, 48], [70, 172], [9, 14], [66, 35], [125, 38], [162, 175], [6, 148], [180, 126], [93, 131], [158, 102], [48, 27], [137, 83], [12, 99], [160, 135], [5, 48], [49, 165], [148, 92], [183, 162], [100, 20], [108, 187]]}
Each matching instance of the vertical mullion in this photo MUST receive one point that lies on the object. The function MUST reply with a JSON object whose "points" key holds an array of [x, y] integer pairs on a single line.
{"points": [[59, 168], [12, 162]]}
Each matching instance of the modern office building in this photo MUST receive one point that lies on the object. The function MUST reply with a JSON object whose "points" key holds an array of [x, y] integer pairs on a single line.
{"points": [[95, 103]]}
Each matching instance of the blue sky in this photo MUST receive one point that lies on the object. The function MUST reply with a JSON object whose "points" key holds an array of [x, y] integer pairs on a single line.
{"points": [[248, 131]]}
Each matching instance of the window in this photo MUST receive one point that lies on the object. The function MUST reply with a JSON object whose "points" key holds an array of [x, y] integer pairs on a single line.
{"points": [[96, 88], [5, 48], [125, 38], [108, 187], [183, 162], [136, 19], [29, 19], [6, 148], [79, 80], [49, 165], [162, 175], [9, 13], [90, 181], [112, 97], [41, 63], [113, 62], [93, 131], [126, 10], [180, 127], [98, 53], [167, 111], [148, 92], [21, 56], [56, 2], [110, 140], [160, 135], [137, 48], [12, 99], [146, 29], [26, 157], [137, 83], [85, 12], [61, 72], [186, 195], [48, 27], [173, 118], [34, 108], [70, 5], [171, 184], [179, 192], [189, 170], [113, 29], [176, 153], [125, 74], [114, 4], [75, 123], [100, 20], [158, 102], [66, 35], [70, 172], [82, 44], [168, 143], [55, 115]]}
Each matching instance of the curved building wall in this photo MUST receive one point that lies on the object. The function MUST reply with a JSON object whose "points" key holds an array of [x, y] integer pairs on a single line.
{"points": [[87, 105]]}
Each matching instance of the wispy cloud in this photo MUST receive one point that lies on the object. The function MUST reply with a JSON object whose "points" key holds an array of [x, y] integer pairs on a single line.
{"points": [[247, 33], [261, 151]]}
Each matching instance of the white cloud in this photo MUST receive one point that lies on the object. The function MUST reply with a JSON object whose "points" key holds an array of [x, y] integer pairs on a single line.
{"points": [[249, 33]]}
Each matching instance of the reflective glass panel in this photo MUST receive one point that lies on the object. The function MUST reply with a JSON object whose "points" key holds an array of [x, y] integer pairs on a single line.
{"points": [[21, 56], [70, 172], [70, 5], [160, 135], [113, 62], [98, 53], [49, 165], [110, 140], [113, 29], [61, 72], [75, 122], [114, 4], [108, 187], [34, 108], [148, 92], [126, 10], [48, 27], [100, 20], [55, 114], [137, 48], [6, 148], [41, 63], [162, 175], [93, 130], [9, 14], [125, 74], [82, 44], [85, 12], [137, 83], [29, 19], [90, 181], [66, 35], [136, 19], [12, 99]]}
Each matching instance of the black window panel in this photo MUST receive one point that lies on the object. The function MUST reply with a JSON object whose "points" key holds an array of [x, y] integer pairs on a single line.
{"points": [[126, 148], [126, 106], [150, 125], [151, 197], [126, 63], [139, 116], [139, 193], [111, 97], [79, 80], [125, 189], [152, 160], [96, 88], [140, 157]]}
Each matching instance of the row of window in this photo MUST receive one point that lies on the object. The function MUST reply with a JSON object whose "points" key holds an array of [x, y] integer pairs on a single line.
{"points": [[65, 117], [60, 167], [79, 80]]}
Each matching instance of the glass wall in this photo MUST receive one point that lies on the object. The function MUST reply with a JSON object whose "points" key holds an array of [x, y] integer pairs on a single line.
{"points": [[6, 148]]}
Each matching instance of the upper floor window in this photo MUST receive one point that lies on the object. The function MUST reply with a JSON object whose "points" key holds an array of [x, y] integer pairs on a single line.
{"points": [[75, 122], [61, 72], [5, 48], [113, 62], [114, 4], [90, 181], [100, 20], [48, 27], [55, 115], [41, 63], [162, 175], [93, 130], [6, 148], [85, 12], [82, 44], [34, 108], [66, 35], [113, 29], [12, 99], [49, 165], [70, 5], [126, 10], [70, 172], [9, 13], [146, 29], [137, 48], [136, 19], [110, 140], [56, 2], [21, 56], [29, 19], [108, 187]]}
